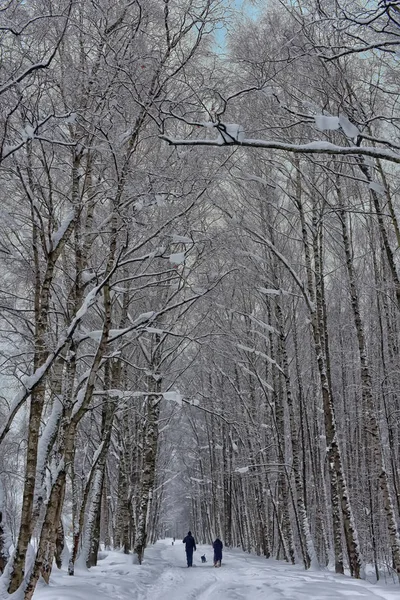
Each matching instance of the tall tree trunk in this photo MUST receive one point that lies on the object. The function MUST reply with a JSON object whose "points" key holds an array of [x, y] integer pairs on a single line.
{"points": [[372, 425], [5, 537], [45, 552], [306, 541], [41, 303], [60, 544], [149, 462], [106, 513], [338, 486], [382, 228], [338, 481]]}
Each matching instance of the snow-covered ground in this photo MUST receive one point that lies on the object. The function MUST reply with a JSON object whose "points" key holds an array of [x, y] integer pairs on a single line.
{"points": [[164, 576]]}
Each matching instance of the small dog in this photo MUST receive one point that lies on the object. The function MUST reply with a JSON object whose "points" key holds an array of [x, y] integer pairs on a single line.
{"points": [[203, 558]]}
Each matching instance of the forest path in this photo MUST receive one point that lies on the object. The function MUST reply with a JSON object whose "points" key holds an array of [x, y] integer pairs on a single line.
{"points": [[164, 576]]}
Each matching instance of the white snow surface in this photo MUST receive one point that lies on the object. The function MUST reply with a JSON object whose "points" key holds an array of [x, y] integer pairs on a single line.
{"points": [[376, 187], [28, 133], [273, 292], [329, 123], [181, 239], [350, 130], [71, 118], [164, 576], [242, 470], [326, 122], [58, 235], [230, 133], [173, 396], [177, 259]]}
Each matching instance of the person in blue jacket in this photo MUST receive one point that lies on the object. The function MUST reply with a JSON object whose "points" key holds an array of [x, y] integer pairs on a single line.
{"points": [[217, 545], [190, 547]]}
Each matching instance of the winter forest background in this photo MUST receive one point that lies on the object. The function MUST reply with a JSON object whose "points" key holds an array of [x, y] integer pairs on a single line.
{"points": [[200, 280]]}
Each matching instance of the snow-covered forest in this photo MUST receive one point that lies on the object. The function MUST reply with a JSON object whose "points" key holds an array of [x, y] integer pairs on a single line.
{"points": [[200, 281]]}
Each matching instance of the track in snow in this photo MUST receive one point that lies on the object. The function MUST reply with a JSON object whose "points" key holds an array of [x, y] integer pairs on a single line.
{"points": [[164, 576]]}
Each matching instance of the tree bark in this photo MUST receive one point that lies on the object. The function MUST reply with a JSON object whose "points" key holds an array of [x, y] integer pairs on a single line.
{"points": [[372, 425], [149, 464]]}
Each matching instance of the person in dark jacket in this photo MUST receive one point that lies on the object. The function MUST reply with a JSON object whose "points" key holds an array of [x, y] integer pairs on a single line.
{"points": [[190, 547], [217, 545]]}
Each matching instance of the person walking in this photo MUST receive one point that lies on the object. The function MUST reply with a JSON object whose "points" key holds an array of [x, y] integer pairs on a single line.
{"points": [[190, 548], [217, 545]]}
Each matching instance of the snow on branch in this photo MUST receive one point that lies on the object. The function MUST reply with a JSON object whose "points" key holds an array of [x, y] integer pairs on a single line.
{"points": [[273, 292], [330, 123], [390, 46], [242, 470], [48, 433], [264, 383], [58, 235], [32, 381], [44, 64], [31, 132], [317, 147], [284, 261], [173, 396], [259, 353]]}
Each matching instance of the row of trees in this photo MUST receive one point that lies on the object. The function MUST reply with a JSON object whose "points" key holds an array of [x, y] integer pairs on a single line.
{"points": [[98, 264], [319, 236], [192, 333]]}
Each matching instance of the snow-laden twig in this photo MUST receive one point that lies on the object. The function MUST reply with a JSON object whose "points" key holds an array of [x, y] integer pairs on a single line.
{"points": [[317, 147], [39, 65], [31, 382]]}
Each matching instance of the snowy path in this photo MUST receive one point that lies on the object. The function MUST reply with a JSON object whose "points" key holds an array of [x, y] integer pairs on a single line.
{"points": [[164, 576]]}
